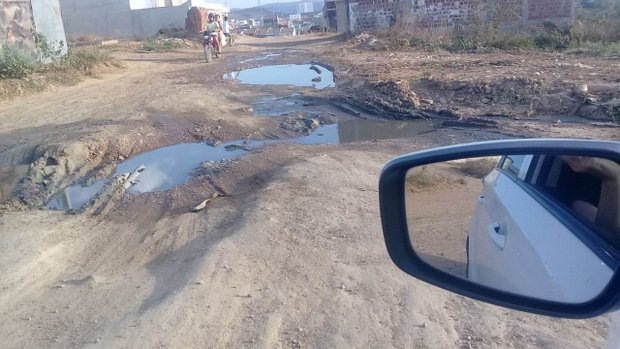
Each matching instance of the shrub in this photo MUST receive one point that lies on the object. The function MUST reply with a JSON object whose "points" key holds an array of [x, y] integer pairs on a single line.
{"points": [[488, 27], [478, 168], [49, 51], [598, 21], [84, 59], [15, 63], [160, 45], [423, 178]]}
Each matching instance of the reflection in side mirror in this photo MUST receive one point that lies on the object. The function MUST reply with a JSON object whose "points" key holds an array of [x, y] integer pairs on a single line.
{"points": [[543, 226]]}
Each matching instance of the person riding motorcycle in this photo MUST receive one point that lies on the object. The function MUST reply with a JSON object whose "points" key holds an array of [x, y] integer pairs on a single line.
{"points": [[213, 28]]}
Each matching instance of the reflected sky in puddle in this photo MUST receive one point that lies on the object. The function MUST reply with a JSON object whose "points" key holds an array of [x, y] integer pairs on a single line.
{"points": [[166, 167], [170, 166], [302, 75], [75, 196], [360, 130]]}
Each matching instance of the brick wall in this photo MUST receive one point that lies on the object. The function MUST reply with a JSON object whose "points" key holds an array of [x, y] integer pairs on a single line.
{"points": [[550, 9], [196, 19], [436, 13], [368, 14]]}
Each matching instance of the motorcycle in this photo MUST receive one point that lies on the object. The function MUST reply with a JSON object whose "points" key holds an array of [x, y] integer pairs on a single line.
{"points": [[208, 44]]}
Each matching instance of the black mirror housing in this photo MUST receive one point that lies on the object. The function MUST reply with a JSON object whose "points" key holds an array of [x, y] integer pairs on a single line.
{"points": [[403, 254]]}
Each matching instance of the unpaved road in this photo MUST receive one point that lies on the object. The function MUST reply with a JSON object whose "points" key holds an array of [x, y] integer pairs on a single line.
{"points": [[291, 256]]}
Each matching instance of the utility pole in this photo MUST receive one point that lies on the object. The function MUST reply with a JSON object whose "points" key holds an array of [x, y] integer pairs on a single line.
{"points": [[260, 13]]}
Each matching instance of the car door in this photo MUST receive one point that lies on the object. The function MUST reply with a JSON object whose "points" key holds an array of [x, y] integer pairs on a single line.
{"points": [[518, 243]]}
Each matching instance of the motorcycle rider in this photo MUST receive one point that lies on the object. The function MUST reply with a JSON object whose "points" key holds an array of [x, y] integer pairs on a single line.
{"points": [[211, 27], [218, 19]]}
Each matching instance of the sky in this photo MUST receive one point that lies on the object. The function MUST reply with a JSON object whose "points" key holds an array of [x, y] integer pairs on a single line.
{"points": [[247, 3]]}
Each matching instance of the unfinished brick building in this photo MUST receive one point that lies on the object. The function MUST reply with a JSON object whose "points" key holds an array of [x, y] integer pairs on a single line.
{"points": [[357, 15]]}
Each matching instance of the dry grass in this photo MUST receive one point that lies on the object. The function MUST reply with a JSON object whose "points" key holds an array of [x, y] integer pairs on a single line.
{"points": [[68, 70], [477, 168], [496, 26]]}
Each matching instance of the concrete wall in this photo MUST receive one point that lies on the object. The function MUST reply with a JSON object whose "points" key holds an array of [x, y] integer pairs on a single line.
{"points": [[336, 14], [48, 21], [115, 19], [368, 14], [20, 19], [107, 18]]}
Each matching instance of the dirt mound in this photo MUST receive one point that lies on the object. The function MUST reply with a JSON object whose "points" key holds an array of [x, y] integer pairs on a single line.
{"points": [[511, 90], [387, 99], [521, 95]]}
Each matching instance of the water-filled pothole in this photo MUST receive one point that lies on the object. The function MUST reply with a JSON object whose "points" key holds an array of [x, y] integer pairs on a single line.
{"points": [[170, 166], [165, 168], [302, 75], [360, 130]]}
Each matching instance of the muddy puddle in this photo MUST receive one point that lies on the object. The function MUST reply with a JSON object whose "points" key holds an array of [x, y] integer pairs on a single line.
{"points": [[165, 168], [361, 130], [171, 166], [300, 75], [279, 106]]}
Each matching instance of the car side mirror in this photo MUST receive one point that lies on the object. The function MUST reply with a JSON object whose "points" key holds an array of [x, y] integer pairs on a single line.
{"points": [[532, 225]]}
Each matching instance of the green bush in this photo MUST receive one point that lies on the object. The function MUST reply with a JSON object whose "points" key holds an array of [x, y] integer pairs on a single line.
{"points": [[49, 51], [86, 58], [15, 63], [597, 48], [160, 45]]}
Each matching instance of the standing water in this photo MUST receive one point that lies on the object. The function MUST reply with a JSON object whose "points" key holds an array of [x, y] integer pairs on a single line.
{"points": [[170, 166], [302, 75]]}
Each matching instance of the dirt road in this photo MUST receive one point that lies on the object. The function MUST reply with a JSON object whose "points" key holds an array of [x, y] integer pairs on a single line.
{"points": [[290, 255]]}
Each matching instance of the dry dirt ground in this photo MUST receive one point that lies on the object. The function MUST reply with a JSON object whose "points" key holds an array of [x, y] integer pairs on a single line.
{"points": [[292, 253]]}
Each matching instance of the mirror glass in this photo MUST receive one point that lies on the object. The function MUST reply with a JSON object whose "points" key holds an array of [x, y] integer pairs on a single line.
{"points": [[544, 226]]}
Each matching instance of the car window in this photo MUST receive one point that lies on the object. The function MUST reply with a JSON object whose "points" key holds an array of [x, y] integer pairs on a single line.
{"points": [[517, 165], [572, 197]]}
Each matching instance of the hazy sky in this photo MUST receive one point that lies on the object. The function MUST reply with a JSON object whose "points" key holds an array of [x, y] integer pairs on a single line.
{"points": [[247, 3]]}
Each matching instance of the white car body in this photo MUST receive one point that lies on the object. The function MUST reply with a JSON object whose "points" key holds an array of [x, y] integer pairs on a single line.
{"points": [[518, 244]]}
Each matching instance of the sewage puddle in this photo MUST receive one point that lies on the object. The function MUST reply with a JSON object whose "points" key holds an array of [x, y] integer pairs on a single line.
{"points": [[171, 166], [301, 75]]}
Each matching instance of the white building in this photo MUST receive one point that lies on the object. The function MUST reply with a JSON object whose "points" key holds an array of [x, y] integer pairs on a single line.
{"points": [[305, 7], [122, 19]]}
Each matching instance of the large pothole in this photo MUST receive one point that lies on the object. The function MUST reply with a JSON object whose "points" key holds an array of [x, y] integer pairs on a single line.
{"points": [[301, 75], [166, 167]]}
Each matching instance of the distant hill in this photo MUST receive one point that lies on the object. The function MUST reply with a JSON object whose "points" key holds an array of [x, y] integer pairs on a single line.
{"points": [[281, 9]]}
